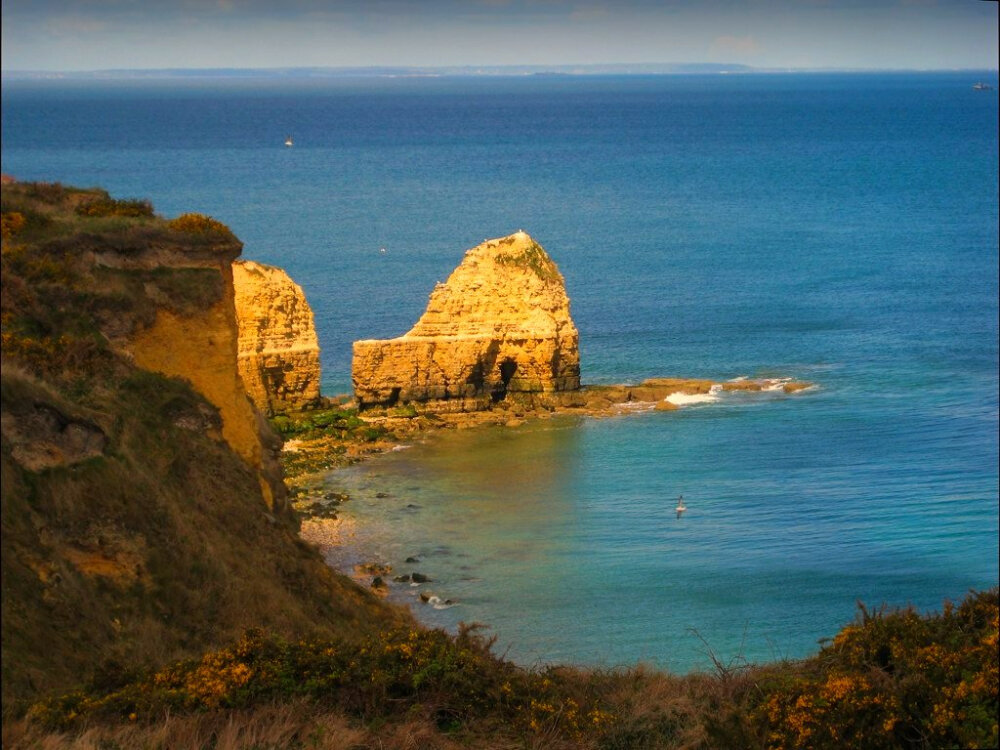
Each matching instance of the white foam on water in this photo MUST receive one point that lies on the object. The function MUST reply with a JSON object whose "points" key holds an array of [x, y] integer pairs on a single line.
{"points": [[688, 399], [775, 384]]}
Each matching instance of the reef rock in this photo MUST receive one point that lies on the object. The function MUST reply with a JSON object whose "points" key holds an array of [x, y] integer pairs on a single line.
{"points": [[278, 349], [500, 325]]}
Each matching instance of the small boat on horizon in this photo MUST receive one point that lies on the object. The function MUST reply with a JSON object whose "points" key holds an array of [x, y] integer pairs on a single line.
{"points": [[289, 141], [980, 86], [681, 507]]}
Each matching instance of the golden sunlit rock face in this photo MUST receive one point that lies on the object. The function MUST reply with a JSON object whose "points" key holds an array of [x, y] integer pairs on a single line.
{"points": [[200, 345], [499, 325], [278, 348]]}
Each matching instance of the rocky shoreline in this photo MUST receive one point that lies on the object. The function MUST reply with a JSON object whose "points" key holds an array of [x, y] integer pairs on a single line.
{"points": [[305, 457], [309, 459]]}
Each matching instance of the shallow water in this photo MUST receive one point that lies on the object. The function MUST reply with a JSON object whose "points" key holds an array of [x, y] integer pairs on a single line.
{"points": [[562, 534], [840, 229]]}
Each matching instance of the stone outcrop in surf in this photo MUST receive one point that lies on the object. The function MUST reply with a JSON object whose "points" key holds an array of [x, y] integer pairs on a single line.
{"points": [[278, 348], [500, 325]]}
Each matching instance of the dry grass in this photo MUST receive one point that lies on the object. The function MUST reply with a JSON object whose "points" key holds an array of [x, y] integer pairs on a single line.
{"points": [[294, 725], [158, 545]]}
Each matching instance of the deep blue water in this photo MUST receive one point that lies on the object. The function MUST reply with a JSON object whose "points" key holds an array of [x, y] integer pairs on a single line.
{"points": [[837, 228]]}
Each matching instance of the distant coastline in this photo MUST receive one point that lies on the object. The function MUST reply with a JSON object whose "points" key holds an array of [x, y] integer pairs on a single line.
{"points": [[615, 69]]}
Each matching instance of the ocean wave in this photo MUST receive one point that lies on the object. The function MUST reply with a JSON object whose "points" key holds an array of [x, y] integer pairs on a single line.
{"points": [[688, 399], [775, 384], [437, 603]]}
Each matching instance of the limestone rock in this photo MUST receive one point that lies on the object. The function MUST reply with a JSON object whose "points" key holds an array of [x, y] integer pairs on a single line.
{"points": [[500, 325], [278, 348], [666, 406]]}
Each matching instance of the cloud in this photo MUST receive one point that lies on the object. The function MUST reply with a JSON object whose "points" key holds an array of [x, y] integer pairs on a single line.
{"points": [[728, 46]]}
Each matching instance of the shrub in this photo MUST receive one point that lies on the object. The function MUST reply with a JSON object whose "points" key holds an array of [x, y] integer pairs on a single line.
{"points": [[894, 679], [197, 224], [11, 223], [452, 678], [406, 411], [107, 206], [342, 424], [532, 258]]}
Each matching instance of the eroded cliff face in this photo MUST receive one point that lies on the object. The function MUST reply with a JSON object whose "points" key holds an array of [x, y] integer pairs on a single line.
{"points": [[499, 325], [200, 344], [278, 347], [136, 471]]}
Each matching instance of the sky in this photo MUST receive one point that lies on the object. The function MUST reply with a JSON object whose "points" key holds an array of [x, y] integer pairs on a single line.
{"points": [[83, 35]]}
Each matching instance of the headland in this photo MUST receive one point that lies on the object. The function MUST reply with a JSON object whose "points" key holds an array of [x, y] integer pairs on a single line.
{"points": [[156, 593]]}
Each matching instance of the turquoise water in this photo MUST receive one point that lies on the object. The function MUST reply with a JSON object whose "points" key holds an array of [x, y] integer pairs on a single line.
{"points": [[841, 229]]}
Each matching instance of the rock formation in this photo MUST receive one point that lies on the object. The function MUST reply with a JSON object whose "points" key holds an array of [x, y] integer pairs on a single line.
{"points": [[278, 348], [500, 325], [136, 526], [199, 343]]}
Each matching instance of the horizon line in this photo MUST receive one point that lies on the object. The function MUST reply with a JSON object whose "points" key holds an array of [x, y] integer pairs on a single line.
{"points": [[471, 70]]}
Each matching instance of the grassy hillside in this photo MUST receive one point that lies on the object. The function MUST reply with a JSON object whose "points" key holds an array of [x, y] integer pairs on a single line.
{"points": [[890, 680], [132, 534]]}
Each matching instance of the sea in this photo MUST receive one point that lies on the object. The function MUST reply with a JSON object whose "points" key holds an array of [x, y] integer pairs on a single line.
{"points": [[840, 229]]}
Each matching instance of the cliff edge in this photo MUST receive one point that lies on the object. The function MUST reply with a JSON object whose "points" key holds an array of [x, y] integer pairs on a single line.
{"points": [[143, 512], [499, 325]]}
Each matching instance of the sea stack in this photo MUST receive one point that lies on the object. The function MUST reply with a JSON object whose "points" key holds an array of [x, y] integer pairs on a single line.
{"points": [[278, 348], [500, 325]]}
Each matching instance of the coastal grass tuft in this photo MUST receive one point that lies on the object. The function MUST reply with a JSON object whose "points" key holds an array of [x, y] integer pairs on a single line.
{"points": [[331, 437], [533, 258], [105, 205], [199, 224]]}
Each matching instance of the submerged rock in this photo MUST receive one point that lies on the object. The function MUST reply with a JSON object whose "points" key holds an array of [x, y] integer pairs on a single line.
{"points": [[795, 387], [666, 406]]}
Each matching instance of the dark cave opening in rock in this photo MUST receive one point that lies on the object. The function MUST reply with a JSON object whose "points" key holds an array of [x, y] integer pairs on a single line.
{"points": [[507, 369]]}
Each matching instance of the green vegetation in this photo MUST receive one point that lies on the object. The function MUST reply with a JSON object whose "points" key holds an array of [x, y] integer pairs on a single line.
{"points": [[198, 224], [35, 212], [331, 437], [105, 205], [132, 534], [401, 672], [405, 411], [533, 258], [892, 679], [334, 421]]}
